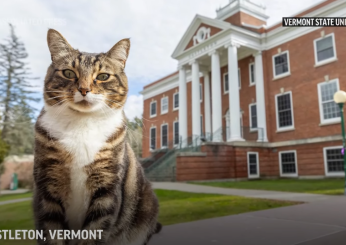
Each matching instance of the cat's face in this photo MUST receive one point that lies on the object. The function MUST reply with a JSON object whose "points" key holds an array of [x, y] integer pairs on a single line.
{"points": [[85, 82]]}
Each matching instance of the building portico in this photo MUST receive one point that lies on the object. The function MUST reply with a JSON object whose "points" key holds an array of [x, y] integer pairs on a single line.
{"points": [[211, 63]]}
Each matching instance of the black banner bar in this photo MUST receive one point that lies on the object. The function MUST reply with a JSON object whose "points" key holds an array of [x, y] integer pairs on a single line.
{"points": [[314, 21]]}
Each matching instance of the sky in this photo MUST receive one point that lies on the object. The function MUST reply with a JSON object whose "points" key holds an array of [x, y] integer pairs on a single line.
{"points": [[154, 27]]}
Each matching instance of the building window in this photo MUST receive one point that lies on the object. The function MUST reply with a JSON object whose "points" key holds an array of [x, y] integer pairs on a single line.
{"points": [[164, 105], [225, 83], [152, 138], [164, 135], [252, 73], [253, 117], [288, 163], [239, 79], [329, 110], [176, 132], [153, 109], [284, 112], [253, 166], [200, 92], [333, 161], [175, 101], [325, 49], [281, 64]]}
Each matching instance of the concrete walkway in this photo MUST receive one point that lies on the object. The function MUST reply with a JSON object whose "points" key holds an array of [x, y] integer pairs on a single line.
{"points": [[320, 221], [15, 201], [275, 195], [18, 191]]}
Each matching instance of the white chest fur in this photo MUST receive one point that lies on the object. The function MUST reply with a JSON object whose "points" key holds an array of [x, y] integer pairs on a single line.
{"points": [[82, 135]]}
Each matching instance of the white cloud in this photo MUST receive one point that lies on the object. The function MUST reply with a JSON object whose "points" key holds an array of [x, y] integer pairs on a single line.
{"points": [[155, 28], [134, 106]]}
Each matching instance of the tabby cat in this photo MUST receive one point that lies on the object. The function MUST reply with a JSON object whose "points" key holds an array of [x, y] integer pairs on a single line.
{"points": [[86, 174]]}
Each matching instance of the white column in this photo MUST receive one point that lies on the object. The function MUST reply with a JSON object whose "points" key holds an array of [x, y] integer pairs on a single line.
{"points": [[196, 100], [182, 105], [260, 100], [216, 95], [234, 101], [207, 121]]}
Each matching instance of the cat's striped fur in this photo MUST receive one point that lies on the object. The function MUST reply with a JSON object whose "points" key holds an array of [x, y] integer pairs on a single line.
{"points": [[86, 174]]}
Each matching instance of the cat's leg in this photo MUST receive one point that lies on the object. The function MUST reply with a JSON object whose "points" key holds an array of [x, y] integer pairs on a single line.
{"points": [[49, 214], [158, 229], [101, 215]]}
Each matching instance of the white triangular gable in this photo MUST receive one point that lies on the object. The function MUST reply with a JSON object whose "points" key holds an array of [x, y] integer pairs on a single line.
{"points": [[191, 30]]}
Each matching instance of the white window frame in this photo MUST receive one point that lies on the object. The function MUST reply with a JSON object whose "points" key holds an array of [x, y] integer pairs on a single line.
{"points": [[280, 129], [162, 111], [224, 84], [326, 164], [200, 92], [241, 125], [150, 139], [254, 75], [239, 78], [332, 120], [295, 160], [175, 108], [248, 165], [318, 63], [250, 115], [174, 133], [288, 65], [164, 147], [150, 108]]}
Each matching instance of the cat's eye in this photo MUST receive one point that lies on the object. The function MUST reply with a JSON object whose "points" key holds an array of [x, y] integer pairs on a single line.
{"points": [[69, 74], [102, 77]]}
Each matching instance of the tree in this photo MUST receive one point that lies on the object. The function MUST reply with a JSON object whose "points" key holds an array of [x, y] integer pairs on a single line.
{"points": [[134, 134], [16, 94], [3, 153], [20, 132]]}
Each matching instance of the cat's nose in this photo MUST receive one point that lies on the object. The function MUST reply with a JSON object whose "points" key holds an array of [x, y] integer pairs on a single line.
{"points": [[84, 91]]}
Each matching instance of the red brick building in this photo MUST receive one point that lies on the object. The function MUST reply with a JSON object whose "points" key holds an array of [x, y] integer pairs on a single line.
{"points": [[261, 97]]}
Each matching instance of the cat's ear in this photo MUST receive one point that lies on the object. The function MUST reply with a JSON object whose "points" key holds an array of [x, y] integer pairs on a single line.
{"points": [[58, 46], [120, 51]]}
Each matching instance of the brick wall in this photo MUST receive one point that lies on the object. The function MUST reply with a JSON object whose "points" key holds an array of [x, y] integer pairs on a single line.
{"points": [[221, 161], [157, 121], [303, 84], [216, 163], [240, 17]]}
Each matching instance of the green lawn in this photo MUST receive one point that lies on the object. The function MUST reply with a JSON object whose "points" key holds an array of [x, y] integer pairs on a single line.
{"points": [[179, 207], [323, 186], [175, 207]]}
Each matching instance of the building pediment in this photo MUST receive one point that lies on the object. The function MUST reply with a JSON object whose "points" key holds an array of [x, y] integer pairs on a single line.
{"points": [[201, 29]]}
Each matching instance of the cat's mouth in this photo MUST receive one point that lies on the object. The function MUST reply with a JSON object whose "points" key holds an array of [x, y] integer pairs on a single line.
{"points": [[84, 103], [88, 103]]}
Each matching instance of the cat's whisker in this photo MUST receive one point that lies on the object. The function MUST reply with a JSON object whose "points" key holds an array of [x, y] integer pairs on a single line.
{"points": [[107, 111], [56, 104], [56, 97], [56, 91], [115, 102]]}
